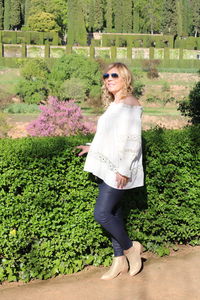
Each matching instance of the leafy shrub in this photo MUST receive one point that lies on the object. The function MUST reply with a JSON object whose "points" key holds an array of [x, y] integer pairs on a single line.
{"points": [[74, 66], [32, 91], [152, 99], [150, 66], [21, 108], [33, 88], [47, 201], [35, 69], [59, 119], [138, 89], [95, 92], [166, 87], [94, 99], [74, 88], [164, 100], [191, 107]]}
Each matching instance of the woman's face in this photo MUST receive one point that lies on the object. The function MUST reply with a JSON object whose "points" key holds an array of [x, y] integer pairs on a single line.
{"points": [[114, 84]]}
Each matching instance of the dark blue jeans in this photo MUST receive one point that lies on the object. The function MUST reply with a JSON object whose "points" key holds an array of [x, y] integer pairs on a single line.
{"points": [[108, 213]]}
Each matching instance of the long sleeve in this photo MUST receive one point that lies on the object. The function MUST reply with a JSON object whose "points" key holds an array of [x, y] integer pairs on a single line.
{"points": [[129, 141]]}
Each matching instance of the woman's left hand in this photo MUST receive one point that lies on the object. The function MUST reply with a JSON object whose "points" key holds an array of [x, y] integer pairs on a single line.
{"points": [[121, 181]]}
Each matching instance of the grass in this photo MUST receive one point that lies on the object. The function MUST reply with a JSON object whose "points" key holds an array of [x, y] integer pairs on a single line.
{"points": [[9, 79], [179, 70], [161, 111]]}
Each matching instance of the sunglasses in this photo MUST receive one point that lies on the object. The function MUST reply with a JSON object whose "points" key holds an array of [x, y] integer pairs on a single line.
{"points": [[113, 75]]}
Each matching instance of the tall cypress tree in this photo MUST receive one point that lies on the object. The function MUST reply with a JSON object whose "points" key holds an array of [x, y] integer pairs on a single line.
{"points": [[118, 20], [109, 16], [1, 14], [91, 16], [169, 17], [98, 14], [26, 12], [127, 16], [15, 14], [7, 14], [179, 13], [195, 14], [76, 26], [186, 17], [136, 20]]}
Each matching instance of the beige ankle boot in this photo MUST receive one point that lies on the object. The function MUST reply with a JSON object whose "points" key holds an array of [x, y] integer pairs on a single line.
{"points": [[134, 258], [119, 266]]}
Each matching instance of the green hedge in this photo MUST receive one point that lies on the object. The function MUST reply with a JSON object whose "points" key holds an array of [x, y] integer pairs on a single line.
{"points": [[137, 41], [29, 37], [47, 200], [190, 42]]}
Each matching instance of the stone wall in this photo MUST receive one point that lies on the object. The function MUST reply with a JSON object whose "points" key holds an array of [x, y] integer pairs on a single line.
{"points": [[34, 51]]}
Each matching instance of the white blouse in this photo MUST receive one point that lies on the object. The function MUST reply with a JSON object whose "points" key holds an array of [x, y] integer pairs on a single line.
{"points": [[116, 146]]}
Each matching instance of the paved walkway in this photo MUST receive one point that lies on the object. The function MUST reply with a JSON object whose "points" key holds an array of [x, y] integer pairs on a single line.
{"points": [[175, 277]]}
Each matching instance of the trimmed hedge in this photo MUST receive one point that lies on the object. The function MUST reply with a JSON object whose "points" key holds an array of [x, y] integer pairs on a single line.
{"points": [[146, 41], [29, 37], [47, 200]]}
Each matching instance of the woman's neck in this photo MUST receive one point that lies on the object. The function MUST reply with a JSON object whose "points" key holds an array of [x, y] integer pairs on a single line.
{"points": [[118, 97]]}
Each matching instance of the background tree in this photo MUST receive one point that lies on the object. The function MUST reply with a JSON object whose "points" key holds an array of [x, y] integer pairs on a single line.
{"points": [[109, 16], [98, 15], [15, 14], [127, 15], [26, 10], [179, 13], [58, 8], [136, 18], [186, 17], [7, 8], [195, 16], [90, 15], [76, 24], [1, 14], [42, 22], [169, 17], [151, 11], [118, 17]]}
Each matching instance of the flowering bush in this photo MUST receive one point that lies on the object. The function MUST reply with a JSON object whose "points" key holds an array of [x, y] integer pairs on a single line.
{"points": [[59, 118]]}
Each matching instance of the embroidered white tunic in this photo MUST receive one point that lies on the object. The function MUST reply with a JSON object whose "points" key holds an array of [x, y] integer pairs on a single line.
{"points": [[116, 146]]}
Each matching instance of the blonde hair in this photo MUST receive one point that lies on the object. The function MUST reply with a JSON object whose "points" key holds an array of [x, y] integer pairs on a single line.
{"points": [[125, 73]]}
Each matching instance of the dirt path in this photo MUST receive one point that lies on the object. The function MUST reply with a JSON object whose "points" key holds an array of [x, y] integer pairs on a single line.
{"points": [[175, 277]]}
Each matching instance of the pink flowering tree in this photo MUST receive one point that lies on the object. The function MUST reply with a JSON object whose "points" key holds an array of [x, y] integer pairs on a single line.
{"points": [[59, 118]]}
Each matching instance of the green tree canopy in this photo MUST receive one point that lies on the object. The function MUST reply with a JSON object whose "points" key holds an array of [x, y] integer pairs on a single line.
{"points": [[43, 22]]}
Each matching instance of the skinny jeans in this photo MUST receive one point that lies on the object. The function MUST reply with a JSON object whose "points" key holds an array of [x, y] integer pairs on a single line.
{"points": [[108, 213]]}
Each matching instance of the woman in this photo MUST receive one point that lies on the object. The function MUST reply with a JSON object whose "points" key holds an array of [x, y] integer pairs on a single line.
{"points": [[115, 157]]}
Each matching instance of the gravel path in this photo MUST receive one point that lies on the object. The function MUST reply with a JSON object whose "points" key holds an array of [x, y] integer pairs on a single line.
{"points": [[175, 277]]}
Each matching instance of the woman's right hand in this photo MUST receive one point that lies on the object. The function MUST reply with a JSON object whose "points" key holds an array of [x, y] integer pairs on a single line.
{"points": [[84, 149]]}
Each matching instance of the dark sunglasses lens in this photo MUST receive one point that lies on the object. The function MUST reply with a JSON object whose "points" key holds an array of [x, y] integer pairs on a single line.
{"points": [[105, 76], [114, 75]]}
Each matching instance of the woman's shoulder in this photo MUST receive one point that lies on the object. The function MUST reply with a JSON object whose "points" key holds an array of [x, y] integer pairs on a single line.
{"points": [[132, 101]]}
